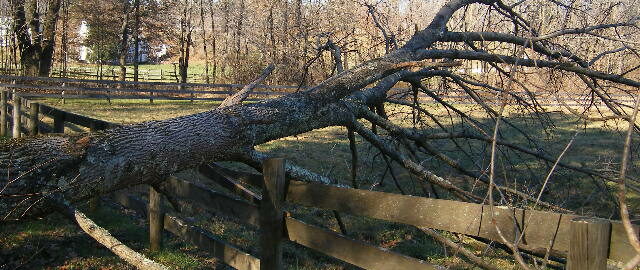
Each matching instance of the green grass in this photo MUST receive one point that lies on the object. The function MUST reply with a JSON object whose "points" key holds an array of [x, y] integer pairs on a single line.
{"points": [[129, 111], [195, 71], [596, 145], [56, 243]]}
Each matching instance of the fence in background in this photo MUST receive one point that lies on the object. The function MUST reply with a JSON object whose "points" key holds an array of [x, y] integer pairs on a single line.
{"points": [[585, 242], [64, 88], [36, 87], [108, 72]]}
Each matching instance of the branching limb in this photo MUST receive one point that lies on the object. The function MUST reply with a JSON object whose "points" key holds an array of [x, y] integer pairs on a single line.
{"points": [[412, 166], [398, 131], [103, 237], [459, 248], [354, 157], [505, 59], [632, 235], [241, 95]]}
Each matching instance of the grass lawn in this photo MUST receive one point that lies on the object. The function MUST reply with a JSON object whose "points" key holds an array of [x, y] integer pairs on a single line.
{"points": [[146, 71], [55, 243], [595, 145]]}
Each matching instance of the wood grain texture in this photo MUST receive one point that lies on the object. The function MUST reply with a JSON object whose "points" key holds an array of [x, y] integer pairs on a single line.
{"points": [[212, 200], [354, 252], [589, 244], [537, 231], [34, 112], [272, 215], [227, 253], [233, 181], [460, 217], [156, 219], [620, 248]]}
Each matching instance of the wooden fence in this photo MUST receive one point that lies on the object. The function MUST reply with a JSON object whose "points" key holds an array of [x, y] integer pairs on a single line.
{"points": [[110, 72], [586, 243], [65, 88], [37, 87]]}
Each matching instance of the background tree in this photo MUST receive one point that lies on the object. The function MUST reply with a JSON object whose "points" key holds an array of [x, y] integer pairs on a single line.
{"points": [[35, 31]]}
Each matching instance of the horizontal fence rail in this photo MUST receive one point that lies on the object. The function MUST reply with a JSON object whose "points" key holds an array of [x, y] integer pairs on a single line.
{"points": [[226, 252], [109, 89]]}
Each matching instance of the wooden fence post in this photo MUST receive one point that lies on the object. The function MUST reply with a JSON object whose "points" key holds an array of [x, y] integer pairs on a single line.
{"points": [[58, 122], [4, 127], [16, 115], [156, 219], [34, 111], [271, 214], [589, 244]]}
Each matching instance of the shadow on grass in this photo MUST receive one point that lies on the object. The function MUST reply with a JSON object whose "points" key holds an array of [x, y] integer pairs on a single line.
{"points": [[55, 243]]}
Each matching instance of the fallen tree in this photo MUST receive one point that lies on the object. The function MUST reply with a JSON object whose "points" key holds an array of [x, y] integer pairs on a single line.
{"points": [[80, 166]]}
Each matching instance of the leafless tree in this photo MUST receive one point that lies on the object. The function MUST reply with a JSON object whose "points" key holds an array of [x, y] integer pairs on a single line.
{"points": [[35, 31]]}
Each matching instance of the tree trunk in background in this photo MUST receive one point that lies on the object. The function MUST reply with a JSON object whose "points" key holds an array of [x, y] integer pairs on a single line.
{"points": [[65, 38], [36, 46], [204, 42], [213, 47], [124, 38], [49, 37], [185, 42], [28, 50], [136, 31]]}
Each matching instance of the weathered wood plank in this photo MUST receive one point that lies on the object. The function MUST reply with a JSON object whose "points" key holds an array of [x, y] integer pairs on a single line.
{"points": [[227, 253], [74, 118], [242, 211], [131, 202], [228, 180], [106, 82], [156, 219], [589, 244], [110, 96], [447, 215], [509, 220], [354, 252], [271, 214], [547, 231], [538, 231], [34, 111], [252, 179]]}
